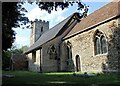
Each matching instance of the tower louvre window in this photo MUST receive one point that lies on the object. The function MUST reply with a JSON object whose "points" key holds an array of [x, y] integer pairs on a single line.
{"points": [[41, 29]]}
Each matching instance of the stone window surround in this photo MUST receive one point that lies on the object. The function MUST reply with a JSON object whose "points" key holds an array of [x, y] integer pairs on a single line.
{"points": [[34, 56], [69, 52], [51, 51], [95, 36]]}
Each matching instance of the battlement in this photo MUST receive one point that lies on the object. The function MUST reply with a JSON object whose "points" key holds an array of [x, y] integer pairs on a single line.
{"points": [[41, 21], [38, 28]]}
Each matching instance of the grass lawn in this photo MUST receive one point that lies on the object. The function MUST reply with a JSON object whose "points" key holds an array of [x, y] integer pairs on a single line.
{"points": [[24, 78]]}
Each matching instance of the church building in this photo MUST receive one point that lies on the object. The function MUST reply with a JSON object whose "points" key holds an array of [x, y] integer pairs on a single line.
{"points": [[89, 44]]}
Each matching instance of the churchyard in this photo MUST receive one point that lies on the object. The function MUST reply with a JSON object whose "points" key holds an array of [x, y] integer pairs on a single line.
{"points": [[24, 78]]}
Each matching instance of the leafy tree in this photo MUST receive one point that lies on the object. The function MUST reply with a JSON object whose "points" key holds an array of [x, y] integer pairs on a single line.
{"points": [[49, 6], [24, 48], [6, 59], [13, 15], [8, 54]]}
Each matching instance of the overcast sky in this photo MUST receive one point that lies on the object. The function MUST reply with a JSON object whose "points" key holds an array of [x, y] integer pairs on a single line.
{"points": [[23, 35]]}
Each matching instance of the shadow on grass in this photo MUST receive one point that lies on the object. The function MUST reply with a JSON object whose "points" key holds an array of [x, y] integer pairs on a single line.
{"points": [[24, 78]]}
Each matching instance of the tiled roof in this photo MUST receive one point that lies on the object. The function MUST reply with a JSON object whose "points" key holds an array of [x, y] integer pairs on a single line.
{"points": [[50, 34], [108, 11]]}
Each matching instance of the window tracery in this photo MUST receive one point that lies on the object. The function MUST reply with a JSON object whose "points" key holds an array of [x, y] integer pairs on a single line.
{"points": [[100, 43], [52, 52]]}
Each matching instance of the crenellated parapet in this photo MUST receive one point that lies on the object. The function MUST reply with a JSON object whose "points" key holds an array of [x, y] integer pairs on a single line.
{"points": [[38, 28], [41, 21]]}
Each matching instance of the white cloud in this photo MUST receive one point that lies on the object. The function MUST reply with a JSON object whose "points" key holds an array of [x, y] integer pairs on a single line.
{"points": [[21, 40], [23, 35], [54, 17], [17, 29], [98, 0]]}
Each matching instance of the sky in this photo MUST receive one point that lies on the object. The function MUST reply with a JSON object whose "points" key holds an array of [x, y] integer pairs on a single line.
{"points": [[23, 35]]}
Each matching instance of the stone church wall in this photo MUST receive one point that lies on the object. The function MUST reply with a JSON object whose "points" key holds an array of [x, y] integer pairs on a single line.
{"points": [[83, 45], [66, 64], [50, 64], [34, 66]]}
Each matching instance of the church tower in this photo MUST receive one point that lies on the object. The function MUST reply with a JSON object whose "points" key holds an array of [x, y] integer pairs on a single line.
{"points": [[38, 27]]}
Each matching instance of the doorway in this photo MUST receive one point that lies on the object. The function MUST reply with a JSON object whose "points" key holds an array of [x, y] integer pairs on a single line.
{"points": [[77, 63]]}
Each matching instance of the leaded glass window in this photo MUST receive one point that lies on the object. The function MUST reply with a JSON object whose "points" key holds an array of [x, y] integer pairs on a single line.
{"points": [[100, 43], [103, 45], [52, 52]]}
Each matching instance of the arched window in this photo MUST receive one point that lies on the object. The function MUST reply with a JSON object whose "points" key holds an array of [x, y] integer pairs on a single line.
{"points": [[103, 45], [100, 43], [52, 52], [69, 52], [97, 46], [77, 63]]}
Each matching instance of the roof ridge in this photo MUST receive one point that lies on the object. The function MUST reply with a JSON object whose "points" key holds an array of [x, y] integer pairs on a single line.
{"points": [[56, 25], [50, 34], [107, 11]]}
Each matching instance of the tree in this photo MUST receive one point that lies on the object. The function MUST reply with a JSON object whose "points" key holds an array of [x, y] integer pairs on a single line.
{"points": [[13, 16], [24, 48], [6, 60], [49, 6]]}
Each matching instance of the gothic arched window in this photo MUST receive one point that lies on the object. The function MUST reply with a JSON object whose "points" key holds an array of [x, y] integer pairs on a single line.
{"points": [[103, 44], [52, 52], [69, 53], [97, 46], [100, 43]]}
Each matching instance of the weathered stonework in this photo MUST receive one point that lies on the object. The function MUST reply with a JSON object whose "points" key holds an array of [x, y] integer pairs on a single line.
{"points": [[73, 48], [38, 28], [83, 45], [47, 63]]}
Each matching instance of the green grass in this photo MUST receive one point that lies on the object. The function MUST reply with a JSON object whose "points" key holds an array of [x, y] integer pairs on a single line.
{"points": [[58, 78]]}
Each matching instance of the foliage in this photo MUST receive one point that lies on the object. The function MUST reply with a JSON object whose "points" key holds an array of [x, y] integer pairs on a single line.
{"points": [[116, 44], [59, 79], [6, 55], [13, 15], [49, 6], [24, 48]]}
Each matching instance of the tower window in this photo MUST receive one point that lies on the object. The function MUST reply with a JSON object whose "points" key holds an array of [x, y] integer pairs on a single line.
{"points": [[41, 29]]}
